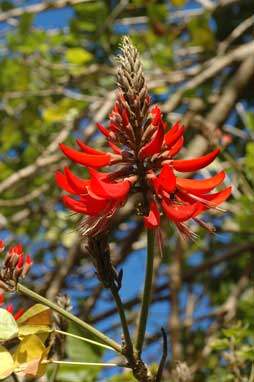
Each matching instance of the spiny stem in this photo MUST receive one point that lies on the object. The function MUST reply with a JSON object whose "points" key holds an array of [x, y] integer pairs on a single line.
{"points": [[84, 339], [120, 308], [146, 292], [27, 292]]}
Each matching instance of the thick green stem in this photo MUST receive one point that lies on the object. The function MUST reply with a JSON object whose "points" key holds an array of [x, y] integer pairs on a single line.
{"points": [[146, 292], [27, 292], [120, 308]]}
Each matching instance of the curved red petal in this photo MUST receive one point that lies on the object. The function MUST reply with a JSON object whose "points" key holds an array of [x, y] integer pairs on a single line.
{"points": [[116, 149], [176, 147], [74, 205], [95, 205], [172, 136], [200, 186], [153, 219], [187, 165], [88, 149], [167, 179], [76, 183], [85, 159], [218, 197], [179, 213], [154, 146], [102, 129], [62, 183], [109, 190]]}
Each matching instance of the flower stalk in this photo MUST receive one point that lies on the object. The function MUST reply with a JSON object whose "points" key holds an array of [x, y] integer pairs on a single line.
{"points": [[69, 316], [146, 292]]}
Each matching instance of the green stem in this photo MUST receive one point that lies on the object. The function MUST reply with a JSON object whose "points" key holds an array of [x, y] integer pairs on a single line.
{"points": [[84, 339], [27, 292], [54, 373], [85, 363], [146, 292], [124, 323]]}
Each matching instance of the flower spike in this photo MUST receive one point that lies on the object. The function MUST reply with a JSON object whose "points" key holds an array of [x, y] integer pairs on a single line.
{"points": [[140, 160]]}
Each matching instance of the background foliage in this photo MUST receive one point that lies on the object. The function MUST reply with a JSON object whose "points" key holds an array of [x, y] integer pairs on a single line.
{"points": [[57, 78]]}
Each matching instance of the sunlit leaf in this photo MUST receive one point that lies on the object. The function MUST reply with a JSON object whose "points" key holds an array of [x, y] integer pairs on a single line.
{"points": [[8, 326], [6, 363], [29, 355], [38, 314], [78, 56]]}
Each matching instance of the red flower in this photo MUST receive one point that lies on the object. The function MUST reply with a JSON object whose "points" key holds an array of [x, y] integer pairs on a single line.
{"points": [[142, 160], [10, 308], [15, 264]]}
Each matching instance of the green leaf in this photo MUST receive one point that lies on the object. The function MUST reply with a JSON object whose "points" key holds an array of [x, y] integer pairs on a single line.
{"points": [[26, 330], [38, 314], [78, 56], [8, 325], [6, 363], [80, 351], [57, 112], [220, 344]]}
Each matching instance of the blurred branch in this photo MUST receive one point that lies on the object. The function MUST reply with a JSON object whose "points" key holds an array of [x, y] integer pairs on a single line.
{"points": [[13, 203], [46, 158], [211, 68], [236, 33], [39, 7]]}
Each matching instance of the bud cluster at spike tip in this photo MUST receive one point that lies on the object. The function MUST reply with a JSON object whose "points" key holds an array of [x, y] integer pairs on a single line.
{"points": [[10, 308], [142, 160], [15, 265]]}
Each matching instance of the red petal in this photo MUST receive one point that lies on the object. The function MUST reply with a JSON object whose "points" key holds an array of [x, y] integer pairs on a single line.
{"points": [[85, 159], [153, 219], [200, 186], [95, 205], [125, 117], [102, 129], [110, 190], [115, 148], [218, 197], [77, 184], [114, 127], [154, 146], [179, 213], [28, 259], [157, 119], [9, 308], [62, 183], [167, 179], [172, 136], [74, 205], [87, 149], [176, 148], [19, 314], [195, 164]]}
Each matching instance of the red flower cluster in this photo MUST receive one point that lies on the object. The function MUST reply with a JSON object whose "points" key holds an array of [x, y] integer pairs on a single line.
{"points": [[142, 160], [10, 308], [15, 264]]}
